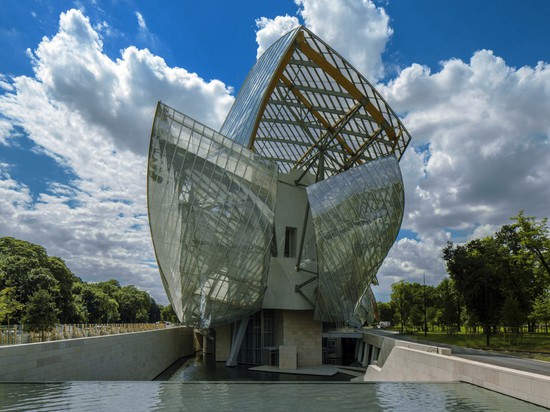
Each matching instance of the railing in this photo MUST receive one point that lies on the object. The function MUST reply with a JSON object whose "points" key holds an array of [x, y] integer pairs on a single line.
{"points": [[13, 335]]}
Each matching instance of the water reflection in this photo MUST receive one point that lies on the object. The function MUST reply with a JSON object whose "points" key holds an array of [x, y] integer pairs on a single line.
{"points": [[205, 368], [264, 396]]}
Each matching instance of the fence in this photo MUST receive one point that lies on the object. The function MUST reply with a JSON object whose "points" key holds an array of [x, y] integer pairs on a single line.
{"points": [[13, 335]]}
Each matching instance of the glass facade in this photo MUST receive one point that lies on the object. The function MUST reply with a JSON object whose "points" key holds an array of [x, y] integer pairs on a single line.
{"points": [[210, 206], [356, 216], [301, 96], [240, 121], [303, 111]]}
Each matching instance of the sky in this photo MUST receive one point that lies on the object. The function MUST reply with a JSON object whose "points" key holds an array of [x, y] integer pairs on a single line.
{"points": [[79, 81]]}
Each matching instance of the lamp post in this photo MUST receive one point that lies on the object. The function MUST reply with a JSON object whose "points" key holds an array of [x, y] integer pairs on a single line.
{"points": [[425, 308]]}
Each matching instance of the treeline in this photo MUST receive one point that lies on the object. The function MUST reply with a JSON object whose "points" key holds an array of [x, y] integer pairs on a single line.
{"points": [[500, 280], [40, 291]]}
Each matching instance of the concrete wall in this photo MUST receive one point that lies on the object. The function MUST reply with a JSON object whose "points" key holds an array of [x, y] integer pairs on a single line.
{"points": [[128, 356], [300, 330], [283, 277], [405, 361]]}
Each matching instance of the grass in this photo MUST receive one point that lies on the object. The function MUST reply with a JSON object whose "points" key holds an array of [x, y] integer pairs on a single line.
{"points": [[535, 346]]}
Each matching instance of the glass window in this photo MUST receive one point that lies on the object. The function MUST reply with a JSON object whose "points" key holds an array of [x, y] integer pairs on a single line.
{"points": [[290, 242]]}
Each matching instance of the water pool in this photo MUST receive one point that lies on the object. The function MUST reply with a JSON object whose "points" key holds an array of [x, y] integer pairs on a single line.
{"points": [[254, 396]]}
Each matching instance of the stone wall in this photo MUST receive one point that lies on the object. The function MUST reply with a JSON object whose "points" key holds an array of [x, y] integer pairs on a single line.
{"points": [[300, 330], [405, 361], [128, 356]]}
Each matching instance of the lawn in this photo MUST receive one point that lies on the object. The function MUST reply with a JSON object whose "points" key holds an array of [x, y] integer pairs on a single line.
{"points": [[535, 346]]}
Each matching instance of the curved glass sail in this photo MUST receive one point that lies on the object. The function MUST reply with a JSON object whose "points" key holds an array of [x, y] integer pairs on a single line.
{"points": [[241, 120], [356, 217], [304, 111], [302, 99], [210, 204]]}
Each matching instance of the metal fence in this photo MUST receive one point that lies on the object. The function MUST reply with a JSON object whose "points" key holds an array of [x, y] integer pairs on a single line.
{"points": [[16, 334]]}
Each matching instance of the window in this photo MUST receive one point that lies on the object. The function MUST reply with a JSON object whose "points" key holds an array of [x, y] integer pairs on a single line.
{"points": [[290, 242]]}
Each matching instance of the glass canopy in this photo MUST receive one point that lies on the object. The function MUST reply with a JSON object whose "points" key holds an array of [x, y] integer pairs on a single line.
{"points": [[302, 101], [210, 204], [356, 217]]}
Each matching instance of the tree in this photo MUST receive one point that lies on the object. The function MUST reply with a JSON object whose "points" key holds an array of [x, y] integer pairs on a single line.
{"points": [[65, 280], [511, 315], [476, 269], [8, 304], [403, 300], [534, 236], [27, 267], [154, 312], [168, 314], [541, 309], [386, 311], [448, 303], [133, 304], [41, 314], [99, 307]]}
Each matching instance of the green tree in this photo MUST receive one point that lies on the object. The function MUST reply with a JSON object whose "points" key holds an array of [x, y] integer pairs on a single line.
{"points": [[541, 309], [27, 267], [534, 237], [41, 313], [448, 302], [402, 298], [65, 280], [168, 314], [110, 287], [386, 312], [476, 269], [154, 312], [133, 304], [511, 315], [98, 306], [8, 304]]}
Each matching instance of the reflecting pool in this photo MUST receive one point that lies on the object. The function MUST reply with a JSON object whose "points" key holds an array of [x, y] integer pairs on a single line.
{"points": [[257, 396]]}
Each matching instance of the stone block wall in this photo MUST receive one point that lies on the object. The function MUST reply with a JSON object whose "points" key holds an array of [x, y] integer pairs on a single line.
{"points": [[300, 330], [128, 356]]}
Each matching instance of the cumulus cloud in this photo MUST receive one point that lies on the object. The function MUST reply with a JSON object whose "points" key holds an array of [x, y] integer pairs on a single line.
{"points": [[359, 30], [270, 30], [482, 138], [93, 115], [118, 96]]}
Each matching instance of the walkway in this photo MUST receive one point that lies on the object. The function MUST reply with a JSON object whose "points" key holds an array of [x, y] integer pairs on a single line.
{"points": [[492, 358]]}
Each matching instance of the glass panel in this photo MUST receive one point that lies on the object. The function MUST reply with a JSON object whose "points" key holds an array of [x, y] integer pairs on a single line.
{"points": [[241, 118], [356, 216], [211, 207]]}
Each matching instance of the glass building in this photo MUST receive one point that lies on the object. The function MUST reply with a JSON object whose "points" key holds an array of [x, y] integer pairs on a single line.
{"points": [[271, 231]]}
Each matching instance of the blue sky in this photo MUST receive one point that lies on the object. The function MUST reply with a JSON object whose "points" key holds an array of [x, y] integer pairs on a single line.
{"points": [[79, 81]]}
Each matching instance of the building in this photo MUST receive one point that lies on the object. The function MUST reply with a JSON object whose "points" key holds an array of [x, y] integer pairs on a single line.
{"points": [[271, 231]]}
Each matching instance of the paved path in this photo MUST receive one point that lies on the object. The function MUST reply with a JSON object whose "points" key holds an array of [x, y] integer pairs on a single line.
{"points": [[493, 358]]}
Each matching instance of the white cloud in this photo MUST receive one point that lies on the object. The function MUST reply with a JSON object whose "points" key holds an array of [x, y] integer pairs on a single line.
{"points": [[270, 30], [141, 21], [359, 30], [93, 115], [487, 130]]}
